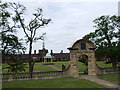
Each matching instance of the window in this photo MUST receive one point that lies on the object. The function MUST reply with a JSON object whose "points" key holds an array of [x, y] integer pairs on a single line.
{"points": [[83, 46]]}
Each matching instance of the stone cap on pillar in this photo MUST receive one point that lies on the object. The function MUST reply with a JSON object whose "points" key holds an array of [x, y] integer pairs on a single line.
{"points": [[92, 48], [70, 48]]}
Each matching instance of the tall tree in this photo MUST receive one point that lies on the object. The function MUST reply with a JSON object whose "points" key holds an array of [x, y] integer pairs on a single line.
{"points": [[106, 37], [31, 28], [10, 43]]}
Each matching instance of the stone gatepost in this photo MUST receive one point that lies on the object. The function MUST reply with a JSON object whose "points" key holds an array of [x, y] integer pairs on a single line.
{"points": [[91, 64], [73, 69]]}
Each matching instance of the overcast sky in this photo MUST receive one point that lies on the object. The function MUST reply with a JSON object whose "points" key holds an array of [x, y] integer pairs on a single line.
{"points": [[70, 20]]}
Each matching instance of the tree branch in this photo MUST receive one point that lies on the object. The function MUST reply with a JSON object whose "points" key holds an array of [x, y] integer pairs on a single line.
{"points": [[22, 23]]}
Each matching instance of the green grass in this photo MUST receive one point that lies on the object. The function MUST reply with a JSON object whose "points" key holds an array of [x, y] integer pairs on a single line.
{"points": [[103, 64], [59, 64], [3, 66], [110, 77], [81, 67], [52, 83], [62, 82], [38, 67]]}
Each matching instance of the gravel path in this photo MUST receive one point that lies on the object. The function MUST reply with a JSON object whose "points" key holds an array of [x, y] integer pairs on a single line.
{"points": [[55, 68], [100, 81]]}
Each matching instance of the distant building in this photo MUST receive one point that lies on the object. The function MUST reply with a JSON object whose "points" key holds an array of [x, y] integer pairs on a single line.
{"points": [[39, 57]]}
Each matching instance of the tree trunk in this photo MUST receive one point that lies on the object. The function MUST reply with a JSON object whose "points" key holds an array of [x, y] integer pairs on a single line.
{"points": [[30, 59], [32, 66], [114, 65]]}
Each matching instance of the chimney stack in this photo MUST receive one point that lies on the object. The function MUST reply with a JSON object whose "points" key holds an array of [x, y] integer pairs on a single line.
{"points": [[34, 51], [39, 51], [61, 51], [51, 52]]}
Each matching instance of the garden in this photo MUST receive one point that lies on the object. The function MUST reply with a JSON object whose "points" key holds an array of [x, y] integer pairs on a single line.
{"points": [[33, 74], [60, 82]]}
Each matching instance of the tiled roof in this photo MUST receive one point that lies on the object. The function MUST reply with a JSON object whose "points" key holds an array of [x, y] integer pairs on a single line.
{"points": [[25, 57]]}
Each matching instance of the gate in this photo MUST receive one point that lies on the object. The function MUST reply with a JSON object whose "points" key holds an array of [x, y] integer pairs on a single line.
{"points": [[82, 47]]}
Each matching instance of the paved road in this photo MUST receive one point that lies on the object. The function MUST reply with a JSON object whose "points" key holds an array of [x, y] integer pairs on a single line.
{"points": [[100, 81]]}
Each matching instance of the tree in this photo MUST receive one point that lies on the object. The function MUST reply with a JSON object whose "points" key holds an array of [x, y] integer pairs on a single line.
{"points": [[106, 37], [10, 43], [31, 28]]}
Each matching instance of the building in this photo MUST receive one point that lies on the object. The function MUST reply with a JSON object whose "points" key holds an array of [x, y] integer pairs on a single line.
{"points": [[38, 57]]}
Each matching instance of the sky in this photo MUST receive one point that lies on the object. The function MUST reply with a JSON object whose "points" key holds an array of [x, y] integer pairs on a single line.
{"points": [[71, 20]]}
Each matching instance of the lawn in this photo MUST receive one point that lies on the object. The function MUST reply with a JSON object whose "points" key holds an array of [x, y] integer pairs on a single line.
{"points": [[39, 67], [114, 77], [81, 66], [103, 64], [60, 63], [61, 82], [52, 83]]}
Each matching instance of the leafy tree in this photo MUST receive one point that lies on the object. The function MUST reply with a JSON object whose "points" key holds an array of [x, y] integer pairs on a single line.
{"points": [[16, 67], [31, 28], [10, 43], [106, 37]]}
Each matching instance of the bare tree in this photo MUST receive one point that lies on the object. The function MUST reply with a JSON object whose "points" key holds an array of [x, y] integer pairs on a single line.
{"points": [[31, 28]]}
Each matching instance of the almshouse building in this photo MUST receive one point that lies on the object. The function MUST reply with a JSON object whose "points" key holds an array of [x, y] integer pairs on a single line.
{"points": [[39, 57]]}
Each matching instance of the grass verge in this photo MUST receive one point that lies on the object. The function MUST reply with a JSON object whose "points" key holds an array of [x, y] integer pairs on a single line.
{"points": [[52, 83], [114, 77]]}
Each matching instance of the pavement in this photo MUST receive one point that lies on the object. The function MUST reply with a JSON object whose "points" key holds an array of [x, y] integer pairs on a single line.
{"points": [[100, 81]]}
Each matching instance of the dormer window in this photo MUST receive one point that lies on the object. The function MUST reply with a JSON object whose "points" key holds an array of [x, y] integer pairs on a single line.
{"points": [[83, 46]]}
